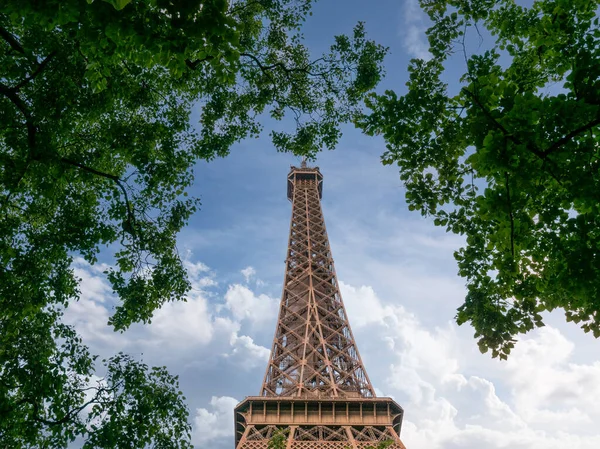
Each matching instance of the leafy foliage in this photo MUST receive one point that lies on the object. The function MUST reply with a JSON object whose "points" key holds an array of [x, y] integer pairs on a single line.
{"points": [[381, 445], [510, 160], [97, 149], [51, 395], [278, 440]]}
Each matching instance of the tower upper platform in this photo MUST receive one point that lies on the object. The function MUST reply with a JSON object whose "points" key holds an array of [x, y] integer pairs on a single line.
{"points": [[304, 173]]}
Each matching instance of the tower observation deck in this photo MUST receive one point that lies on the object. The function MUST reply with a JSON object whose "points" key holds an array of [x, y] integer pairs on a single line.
{"points": [[315, 387]]}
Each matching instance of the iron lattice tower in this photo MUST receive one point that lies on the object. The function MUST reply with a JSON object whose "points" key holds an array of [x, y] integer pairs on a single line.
{"points": [[315, 386]]}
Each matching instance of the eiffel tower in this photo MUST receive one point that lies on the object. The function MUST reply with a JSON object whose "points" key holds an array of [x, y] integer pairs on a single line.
{"points": [[315, 389]]}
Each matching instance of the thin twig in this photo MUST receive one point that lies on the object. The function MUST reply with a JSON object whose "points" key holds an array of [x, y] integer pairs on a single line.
{"points": [[37, 71], [510, 214], [282, 66], [560, 142], [115, 179]]}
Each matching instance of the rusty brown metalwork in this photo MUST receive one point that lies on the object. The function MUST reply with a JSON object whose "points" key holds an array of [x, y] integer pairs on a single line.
{"points": [[315, 387]]}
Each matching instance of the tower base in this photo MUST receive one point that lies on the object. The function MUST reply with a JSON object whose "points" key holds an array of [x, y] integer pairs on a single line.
{"points": [[312, 423]]}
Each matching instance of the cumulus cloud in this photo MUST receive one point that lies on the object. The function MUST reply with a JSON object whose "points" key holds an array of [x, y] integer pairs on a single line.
{"points": [[244, 304], [246, 353], [453, 397], [249, 274], [362, 305], [412, 31], [90, 314], [96, 289], [179, 331], [538, 399], [214, 423], [184, 323], [549, 389], [200, 274]]}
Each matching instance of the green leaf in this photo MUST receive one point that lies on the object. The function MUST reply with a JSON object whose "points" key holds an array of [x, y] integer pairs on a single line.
{"points": [[118, 4]]}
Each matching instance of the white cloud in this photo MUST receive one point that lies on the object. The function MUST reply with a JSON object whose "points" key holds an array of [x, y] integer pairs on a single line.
{"points": [[179, 331], [249, 354], [175, 325], [548, 388], [244, 304], [413, 30], [248, 273], [453, 397], [216, 423], [93, 286], [90, 315], [183, 323], [362, 305], [200, 275], [91, 320], [538, 399]]}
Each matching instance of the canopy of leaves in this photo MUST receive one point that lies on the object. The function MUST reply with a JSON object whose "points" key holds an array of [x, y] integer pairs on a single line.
{"points": [[97, 150], [510, 159]]}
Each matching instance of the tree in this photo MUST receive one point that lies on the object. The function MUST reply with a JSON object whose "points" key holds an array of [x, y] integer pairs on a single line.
{"points": [[382, 445], [97, 150], [508, 157], [279, 439]]}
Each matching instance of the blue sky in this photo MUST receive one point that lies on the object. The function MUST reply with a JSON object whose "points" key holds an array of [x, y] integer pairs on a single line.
{"points": [[399, 284]]}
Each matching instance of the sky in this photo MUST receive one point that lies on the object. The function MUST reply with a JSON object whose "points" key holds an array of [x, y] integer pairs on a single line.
{"points": [[398, 281]]}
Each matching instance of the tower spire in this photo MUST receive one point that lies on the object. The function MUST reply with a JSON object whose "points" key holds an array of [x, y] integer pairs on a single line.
{"points": [[313, 353], [315, 385]]}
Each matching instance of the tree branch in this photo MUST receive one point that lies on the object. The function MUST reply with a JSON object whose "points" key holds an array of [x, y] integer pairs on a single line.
{"points": [[37, 71], [69, 414], [11, 40], [262, 67], [495, 122], [194, 64], [560, 142], [282, 66], [511, 137], [116, 180], [22, 107], [91, 170], [511, 216]]}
